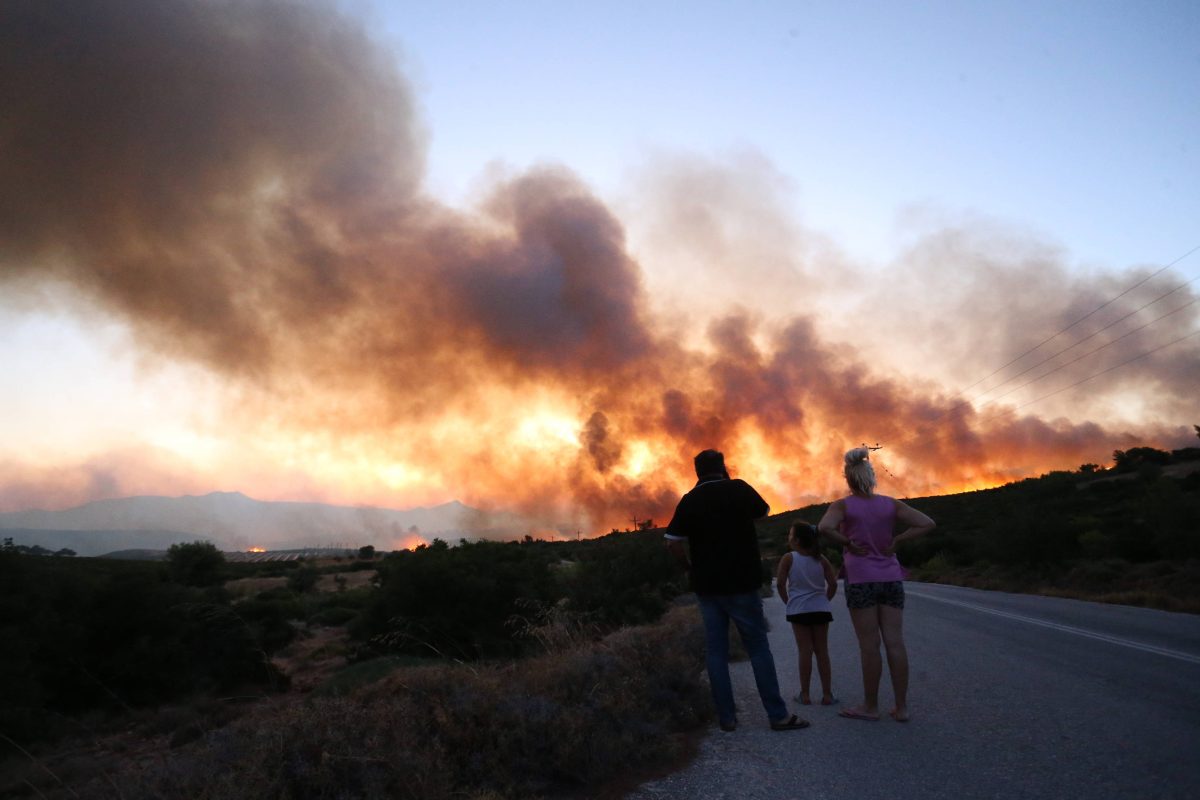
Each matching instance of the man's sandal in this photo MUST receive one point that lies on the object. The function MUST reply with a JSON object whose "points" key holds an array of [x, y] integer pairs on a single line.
{"points": [[792, 723]]}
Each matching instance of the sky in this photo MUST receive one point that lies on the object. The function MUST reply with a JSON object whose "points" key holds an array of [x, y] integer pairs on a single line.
{"points": [[534, 256]]}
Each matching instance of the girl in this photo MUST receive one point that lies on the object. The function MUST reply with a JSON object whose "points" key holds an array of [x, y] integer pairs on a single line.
{"points": [[806, 582]]}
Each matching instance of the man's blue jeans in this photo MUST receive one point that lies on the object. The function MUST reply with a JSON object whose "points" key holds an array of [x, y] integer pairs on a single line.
{"points": [[746, 611]]}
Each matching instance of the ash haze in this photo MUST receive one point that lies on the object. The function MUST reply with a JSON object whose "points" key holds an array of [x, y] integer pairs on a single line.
{"points": [[533, 259]]}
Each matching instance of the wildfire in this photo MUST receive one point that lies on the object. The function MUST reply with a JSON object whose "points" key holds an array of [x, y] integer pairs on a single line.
{"points": [[257, 550], [522, 355], [408, 542]]}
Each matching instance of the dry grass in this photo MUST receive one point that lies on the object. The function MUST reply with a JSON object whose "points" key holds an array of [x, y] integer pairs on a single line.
{"points": [[314, 657], [582, 717], [242, 588], [340, 581], [250, 587]]}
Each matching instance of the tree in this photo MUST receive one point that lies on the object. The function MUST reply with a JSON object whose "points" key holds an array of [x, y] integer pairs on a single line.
{"points": [[1133, 458], [366, 552], [304, 579], [196, 564]]}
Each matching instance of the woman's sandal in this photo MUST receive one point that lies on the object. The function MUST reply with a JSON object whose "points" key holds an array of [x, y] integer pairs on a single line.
{"points": [[793, 723], [854, 713]]}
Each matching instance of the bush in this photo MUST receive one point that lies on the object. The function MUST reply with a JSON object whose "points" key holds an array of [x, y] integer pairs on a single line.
{"points": [[1097, 544], [84, 635], [304, 579], [333, 615], [196, 564], [563, 722], [624, 579], [479, 587]]}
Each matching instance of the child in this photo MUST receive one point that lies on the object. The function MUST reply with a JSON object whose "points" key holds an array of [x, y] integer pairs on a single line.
{"points": [[806, 582]]}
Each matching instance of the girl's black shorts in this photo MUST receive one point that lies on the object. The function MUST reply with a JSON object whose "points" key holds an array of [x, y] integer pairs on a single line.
{"points": [[811, 618]]}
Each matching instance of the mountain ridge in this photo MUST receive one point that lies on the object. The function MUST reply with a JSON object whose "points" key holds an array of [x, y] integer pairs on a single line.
{"points": [[235, 521]]}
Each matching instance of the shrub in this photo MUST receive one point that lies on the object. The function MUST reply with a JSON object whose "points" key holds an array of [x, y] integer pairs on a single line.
{"points": [[563, 721], [333, 615], [196, 564], [1097, 544], [479, 587], [934, 568], [624, 579], [93, 635], [304, 579]]}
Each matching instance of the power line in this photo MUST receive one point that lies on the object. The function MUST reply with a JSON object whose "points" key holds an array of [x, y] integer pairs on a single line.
{"points": [[1007, 411], [1093, 335], [1106, 345], [1091, 377], [914, 435], [1081, 319], [967, 401]]}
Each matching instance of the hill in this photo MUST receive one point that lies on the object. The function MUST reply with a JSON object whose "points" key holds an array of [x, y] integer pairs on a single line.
{"points": [[97, 542], [233, 521]]}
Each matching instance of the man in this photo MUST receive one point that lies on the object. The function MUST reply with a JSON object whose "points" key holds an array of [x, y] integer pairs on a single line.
{"points": [[716, 520]]}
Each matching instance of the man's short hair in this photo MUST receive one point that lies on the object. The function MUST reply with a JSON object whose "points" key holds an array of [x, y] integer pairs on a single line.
{"points": [[710, 462]]}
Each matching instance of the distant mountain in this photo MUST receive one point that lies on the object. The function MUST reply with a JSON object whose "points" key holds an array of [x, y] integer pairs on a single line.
{"points": [[97, 542], [233, 521]]}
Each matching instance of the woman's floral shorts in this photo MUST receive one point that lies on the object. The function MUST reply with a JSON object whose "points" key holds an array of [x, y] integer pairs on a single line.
{"points": [[868, 595]]}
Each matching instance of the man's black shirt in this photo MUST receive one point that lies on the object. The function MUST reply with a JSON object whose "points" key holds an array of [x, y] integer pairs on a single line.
{"points": [[717, 518]]}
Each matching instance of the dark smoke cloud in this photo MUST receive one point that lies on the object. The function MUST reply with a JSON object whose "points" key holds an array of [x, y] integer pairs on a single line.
{"points": [[241, 183], [187, 164]]}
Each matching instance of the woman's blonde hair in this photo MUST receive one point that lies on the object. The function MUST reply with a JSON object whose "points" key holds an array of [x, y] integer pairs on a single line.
{"points": [[860, 475]]}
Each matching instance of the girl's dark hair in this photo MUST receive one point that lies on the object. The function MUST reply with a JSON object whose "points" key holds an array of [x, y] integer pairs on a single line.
{"points": [[806, 537]]}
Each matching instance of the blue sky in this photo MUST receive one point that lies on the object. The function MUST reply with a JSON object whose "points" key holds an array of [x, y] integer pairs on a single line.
{"points": [[1079, 121]]}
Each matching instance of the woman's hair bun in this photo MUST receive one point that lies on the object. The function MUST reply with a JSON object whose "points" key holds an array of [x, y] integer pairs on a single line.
{"points": [[857, 456]]}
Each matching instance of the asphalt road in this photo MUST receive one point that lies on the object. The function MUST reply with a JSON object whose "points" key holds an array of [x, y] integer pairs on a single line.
{"points": [[1011, 696]]}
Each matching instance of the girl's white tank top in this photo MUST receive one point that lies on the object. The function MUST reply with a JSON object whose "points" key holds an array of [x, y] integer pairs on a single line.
{"points": [[806, 585]]}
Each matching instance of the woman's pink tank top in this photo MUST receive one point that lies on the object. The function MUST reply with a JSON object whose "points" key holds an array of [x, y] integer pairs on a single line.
{"points": [[870, 522]]}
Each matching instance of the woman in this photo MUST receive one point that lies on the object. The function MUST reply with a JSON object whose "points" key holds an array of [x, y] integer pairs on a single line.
{"points": [[864, 524]]}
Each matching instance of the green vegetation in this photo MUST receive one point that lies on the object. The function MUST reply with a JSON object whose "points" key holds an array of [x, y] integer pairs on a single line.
{"points": [[439, 601], [94, 635], [34, 550], [93, 643], [196, 564], [469, 602]]}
